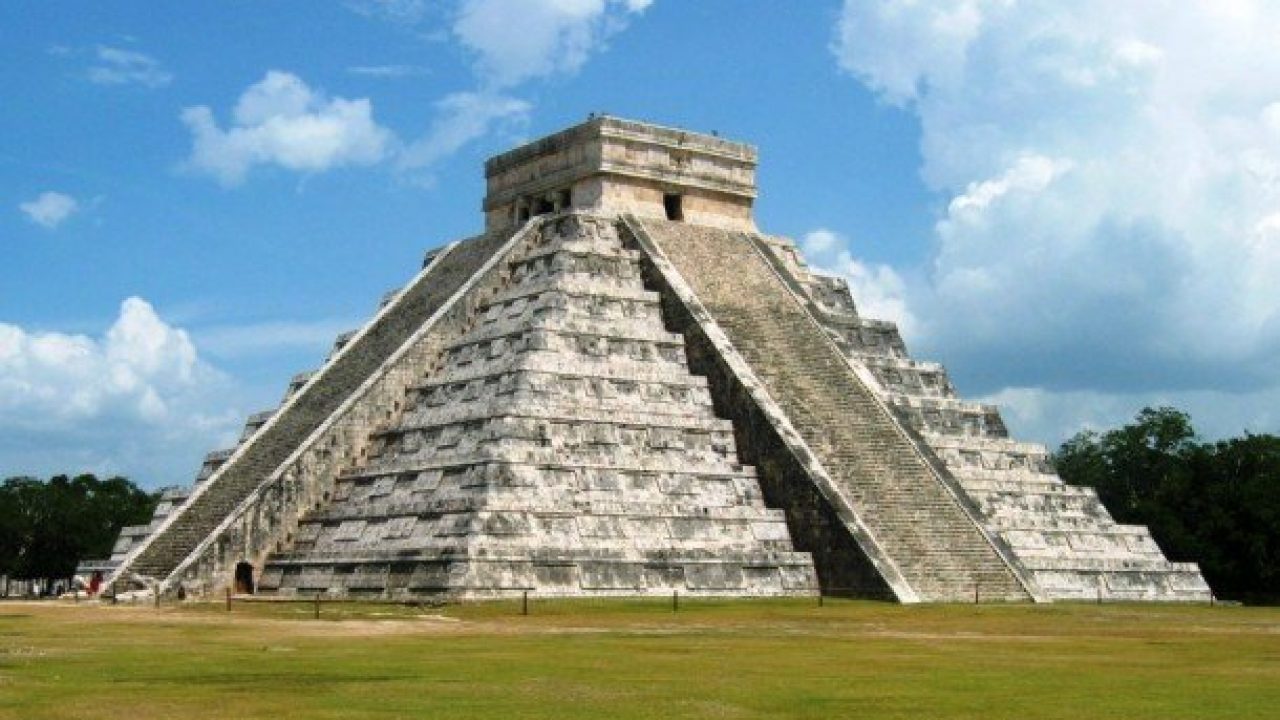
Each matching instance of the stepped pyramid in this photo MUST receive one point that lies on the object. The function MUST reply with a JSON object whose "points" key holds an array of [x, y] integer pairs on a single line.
{"points": [[621, 388]]}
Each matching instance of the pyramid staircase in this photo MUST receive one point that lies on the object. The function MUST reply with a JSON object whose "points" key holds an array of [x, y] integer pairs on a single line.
{"points": [[915, 520], [1061, 535], [215, 522], [539, 430]]}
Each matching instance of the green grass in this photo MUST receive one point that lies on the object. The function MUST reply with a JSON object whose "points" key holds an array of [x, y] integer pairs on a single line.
{"points": [[636, 658]]}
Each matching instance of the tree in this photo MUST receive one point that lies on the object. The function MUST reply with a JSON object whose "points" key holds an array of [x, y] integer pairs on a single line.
{"points": [[19, 498], [47, 528], [1217, 504]]}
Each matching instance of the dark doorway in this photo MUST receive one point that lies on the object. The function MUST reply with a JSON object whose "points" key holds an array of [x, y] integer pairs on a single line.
{"points": [[674, 205], [244, 578], [545, 206]]}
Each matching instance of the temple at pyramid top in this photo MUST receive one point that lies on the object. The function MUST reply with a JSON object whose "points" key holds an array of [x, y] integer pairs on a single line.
{"points": [[611, 166]]}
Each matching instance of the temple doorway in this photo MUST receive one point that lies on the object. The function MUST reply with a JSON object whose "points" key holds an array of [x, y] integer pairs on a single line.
{"points": [[674, 205], [244, 578]]}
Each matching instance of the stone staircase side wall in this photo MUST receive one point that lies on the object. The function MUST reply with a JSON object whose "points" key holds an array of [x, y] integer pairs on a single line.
{"points": [[846, 557], [267, 520], [937, 466], [256, 459], [1097, 568], [880, 463]]}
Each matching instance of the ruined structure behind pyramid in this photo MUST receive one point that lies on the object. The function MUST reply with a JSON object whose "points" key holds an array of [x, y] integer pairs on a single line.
{"points": [[622, 387]]}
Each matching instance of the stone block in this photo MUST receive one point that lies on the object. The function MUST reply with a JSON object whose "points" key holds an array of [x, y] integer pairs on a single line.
{"points": [[611, 576], [715, 577]]}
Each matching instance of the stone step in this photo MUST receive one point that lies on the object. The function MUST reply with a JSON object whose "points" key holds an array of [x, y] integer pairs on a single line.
{"points": [[593, 445], [915, 520], [306, 409]]}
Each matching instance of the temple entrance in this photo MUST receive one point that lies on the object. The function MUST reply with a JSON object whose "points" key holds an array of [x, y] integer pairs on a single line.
{"points": [[244, 578], [674, 206]]}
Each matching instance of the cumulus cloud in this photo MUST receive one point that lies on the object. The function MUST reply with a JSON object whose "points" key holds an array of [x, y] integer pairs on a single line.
{"points": [[1028, 174], [462, 118], [137, 368], [117, 66], [509, 42], [1113, 175], [136, 399], [49, 209], [517, 40], [282, 121], [513, 42]]}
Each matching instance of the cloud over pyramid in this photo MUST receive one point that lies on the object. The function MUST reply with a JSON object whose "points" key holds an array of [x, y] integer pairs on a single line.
{"points": [[622, 387]]}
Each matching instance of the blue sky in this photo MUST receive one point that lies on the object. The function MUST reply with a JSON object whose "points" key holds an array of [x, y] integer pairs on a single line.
{"points": [[1076, 208]]}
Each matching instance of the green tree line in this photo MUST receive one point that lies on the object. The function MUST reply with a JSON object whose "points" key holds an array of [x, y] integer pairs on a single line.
{"points": [[47, 527], [1214, 503]]}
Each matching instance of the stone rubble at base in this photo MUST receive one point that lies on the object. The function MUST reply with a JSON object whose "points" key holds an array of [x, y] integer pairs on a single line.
{"points": [[623, 388]]}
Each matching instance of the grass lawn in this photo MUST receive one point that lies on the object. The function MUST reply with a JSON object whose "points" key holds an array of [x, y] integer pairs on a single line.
{"points": [[624, 659]]}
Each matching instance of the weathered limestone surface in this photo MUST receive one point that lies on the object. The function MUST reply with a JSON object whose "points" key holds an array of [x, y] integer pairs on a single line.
{"points": [[1061, 534], [310, 405], [267, 519], [624, 388], [561, 445], [911, 515], [610, 166]]}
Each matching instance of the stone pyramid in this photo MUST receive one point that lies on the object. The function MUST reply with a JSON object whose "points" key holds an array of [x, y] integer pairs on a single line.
{"points": [[622, 387], [561, 443]]}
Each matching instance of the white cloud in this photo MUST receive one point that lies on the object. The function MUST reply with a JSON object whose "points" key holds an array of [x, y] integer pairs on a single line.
{"points": [[281, 121], [116, 66], [511, 42], [137, 369], [878, 290], [518, 40], [49, 209], [1113, 172], [137, 399], [462, 118], [1028, 174]]}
